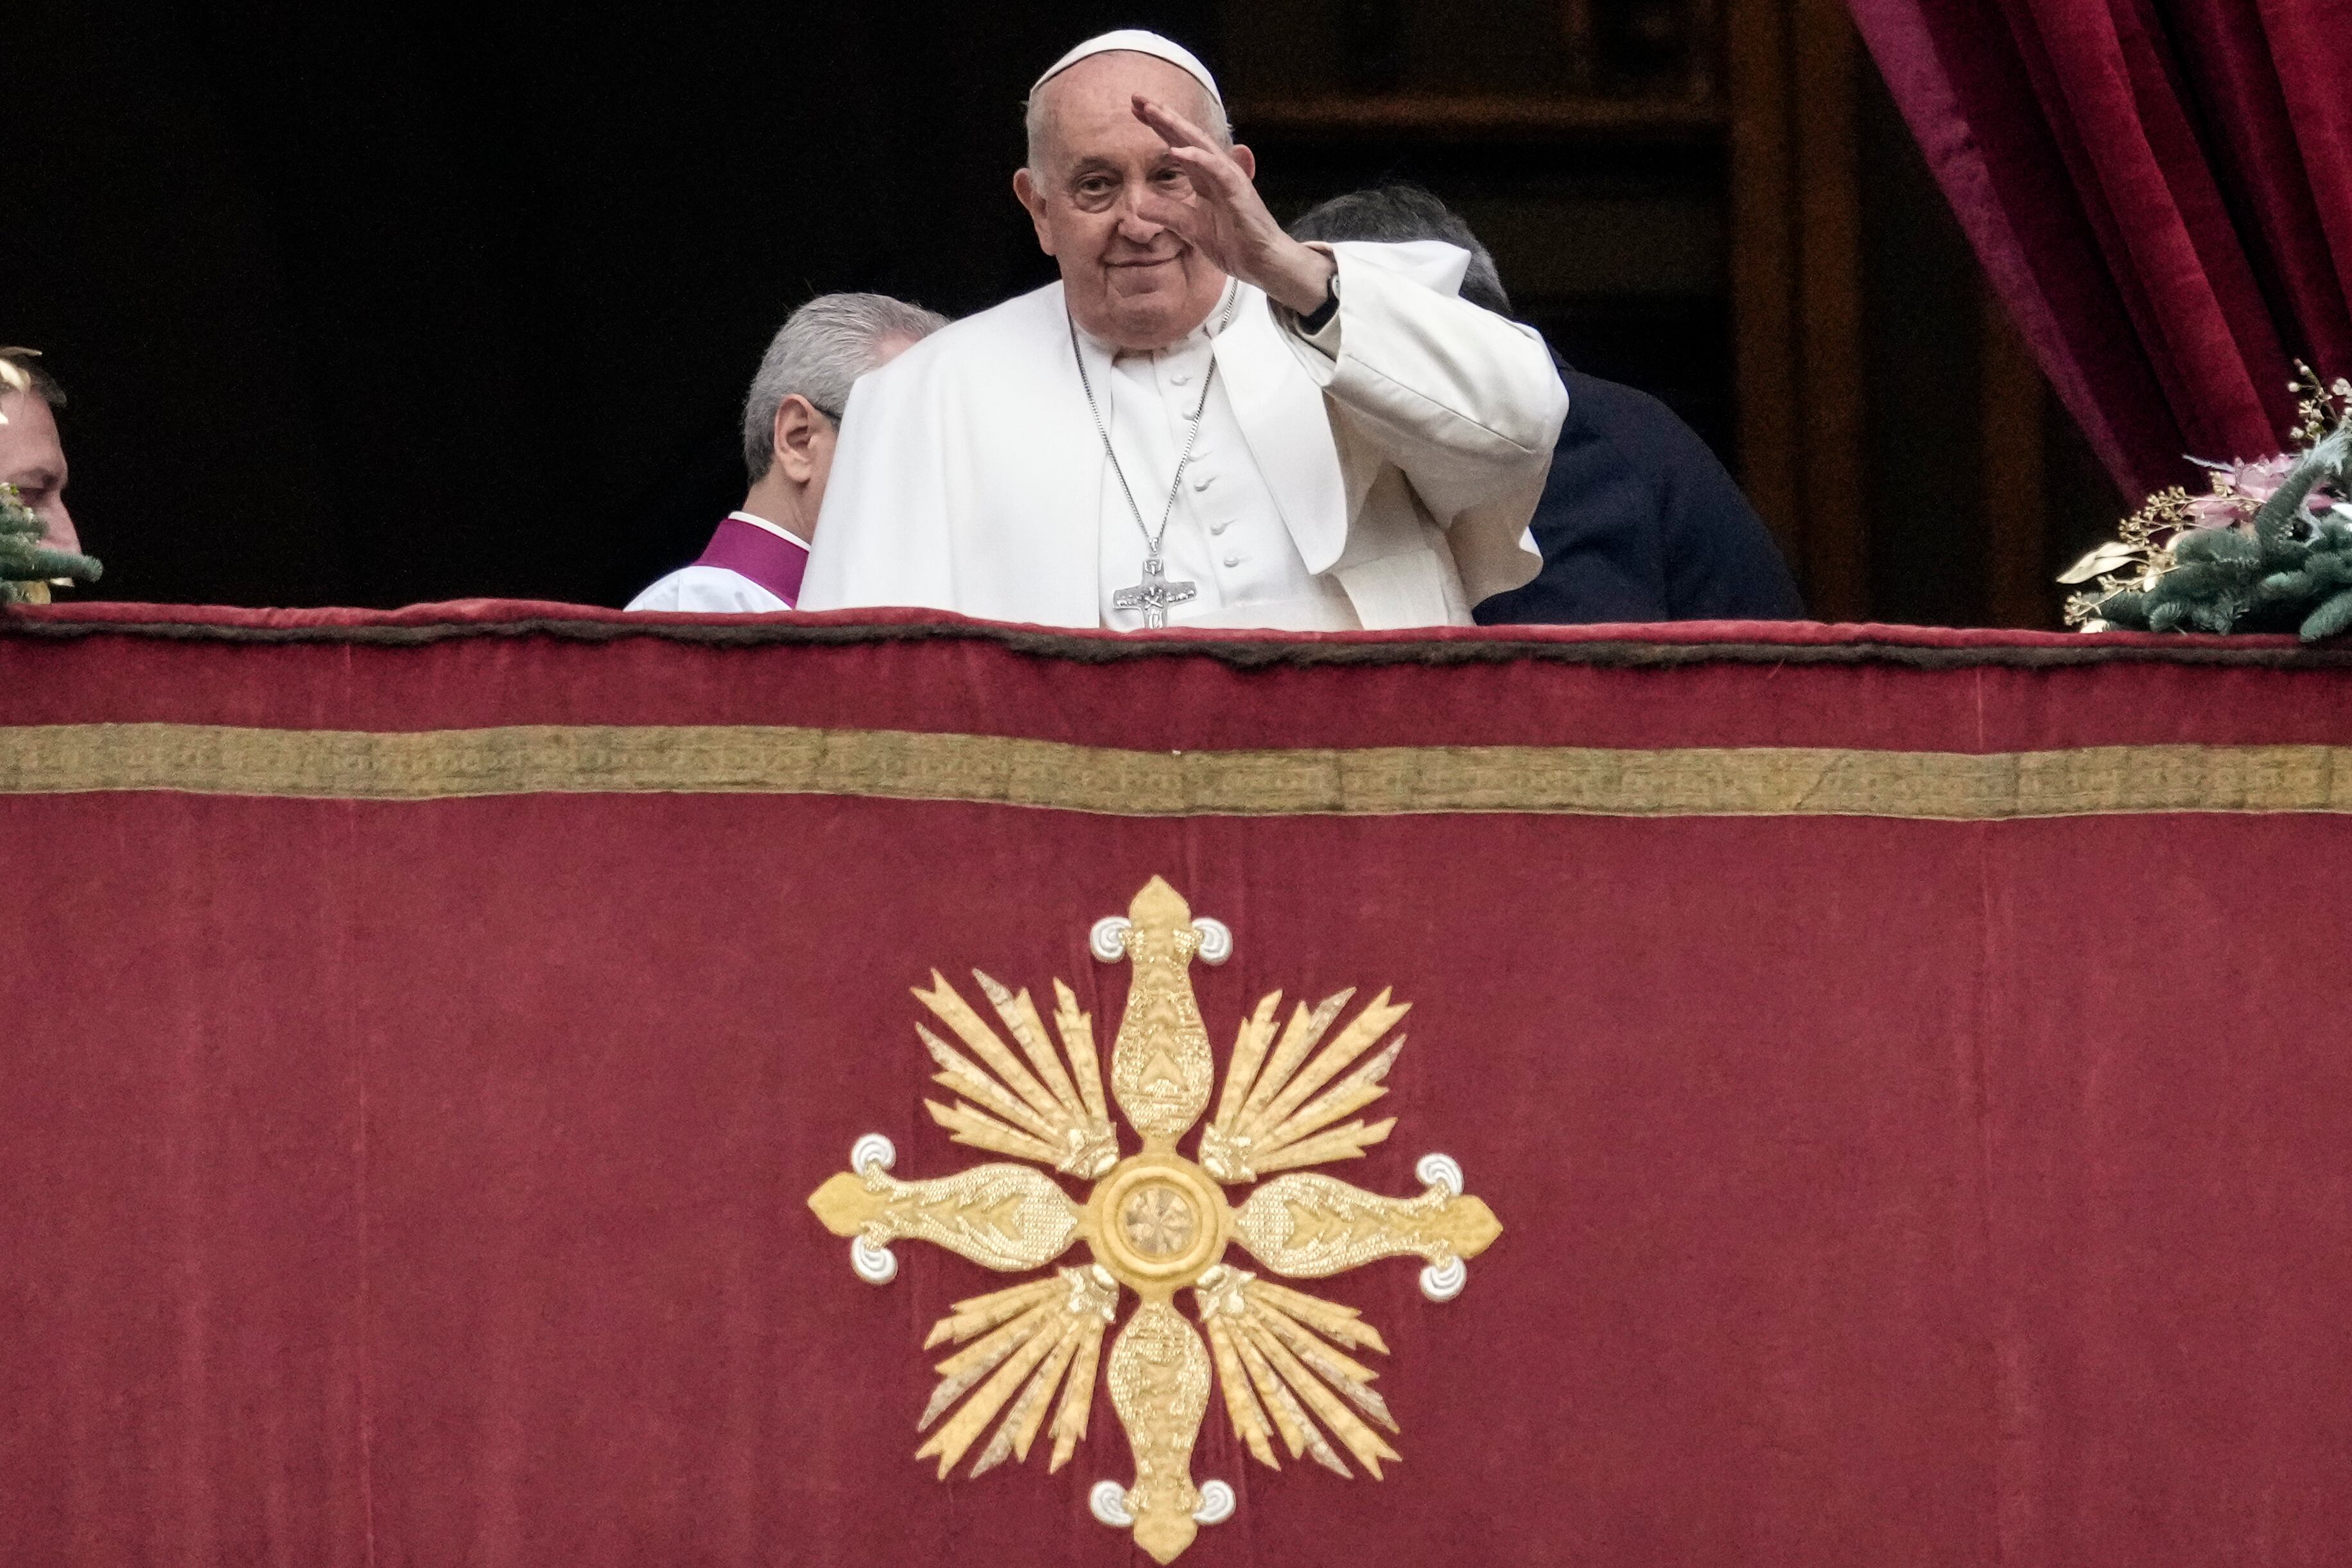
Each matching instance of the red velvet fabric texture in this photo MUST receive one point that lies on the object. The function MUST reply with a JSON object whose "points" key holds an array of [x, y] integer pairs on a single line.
{"points": [[422, 1182], [2162, 196]]}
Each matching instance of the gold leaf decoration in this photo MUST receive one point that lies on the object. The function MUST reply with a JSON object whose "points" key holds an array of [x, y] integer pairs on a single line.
{"points": [[1161, 1068], [1160, 1386], [999, 1217], [1309, 1225]]}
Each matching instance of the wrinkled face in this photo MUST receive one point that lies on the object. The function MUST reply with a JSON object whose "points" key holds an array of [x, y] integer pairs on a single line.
{"points": [[1130, 282], [34, 461]]}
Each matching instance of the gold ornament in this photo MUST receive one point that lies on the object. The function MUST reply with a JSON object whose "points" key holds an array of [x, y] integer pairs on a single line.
{"points": [[1156, 1221]]}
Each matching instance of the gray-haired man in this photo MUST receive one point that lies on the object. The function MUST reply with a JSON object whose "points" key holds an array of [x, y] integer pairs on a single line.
{"points": [[791, 420]]}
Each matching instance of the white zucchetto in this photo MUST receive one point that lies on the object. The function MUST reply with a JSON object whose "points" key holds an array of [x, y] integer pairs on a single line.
{"points": [[1137, 41]]}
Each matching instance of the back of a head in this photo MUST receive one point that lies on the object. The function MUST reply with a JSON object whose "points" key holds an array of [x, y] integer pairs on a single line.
{"points": [[819, 354], [1395, 214]]}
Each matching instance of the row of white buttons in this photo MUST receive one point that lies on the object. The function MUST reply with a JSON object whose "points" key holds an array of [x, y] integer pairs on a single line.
{"points": [[1201, 483]]}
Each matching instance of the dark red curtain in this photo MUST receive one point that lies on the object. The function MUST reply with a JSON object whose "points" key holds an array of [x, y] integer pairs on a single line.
{"points": [[2161, 193]]}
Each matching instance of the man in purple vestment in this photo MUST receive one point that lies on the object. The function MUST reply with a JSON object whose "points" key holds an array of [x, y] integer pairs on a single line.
{"points": [[790, 418]]}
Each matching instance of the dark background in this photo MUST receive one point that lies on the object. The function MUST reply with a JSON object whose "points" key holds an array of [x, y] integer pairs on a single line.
{"points": [[382, 304], [376, 304]]}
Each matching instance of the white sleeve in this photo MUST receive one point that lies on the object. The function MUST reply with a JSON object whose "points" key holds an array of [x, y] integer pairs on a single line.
{"points": [[1466, 403], [708, 591]]}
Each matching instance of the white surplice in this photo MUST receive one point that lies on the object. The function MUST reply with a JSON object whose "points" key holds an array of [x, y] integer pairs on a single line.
{"points": [[704, 590], [1379, 473], [708, 591]]}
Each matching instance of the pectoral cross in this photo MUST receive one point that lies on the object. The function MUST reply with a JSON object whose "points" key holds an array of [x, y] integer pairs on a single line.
{"points": [[1154, 593]]}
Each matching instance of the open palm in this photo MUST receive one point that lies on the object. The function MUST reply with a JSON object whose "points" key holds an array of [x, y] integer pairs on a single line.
{"points": [[1227, 220]]}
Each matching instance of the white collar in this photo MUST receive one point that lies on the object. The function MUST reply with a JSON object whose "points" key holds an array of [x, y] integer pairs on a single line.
{"points": [[780, 532], [1220, 317]]}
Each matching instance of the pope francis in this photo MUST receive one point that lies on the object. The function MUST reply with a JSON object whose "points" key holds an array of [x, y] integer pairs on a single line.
{"points": [[1204, 423]]}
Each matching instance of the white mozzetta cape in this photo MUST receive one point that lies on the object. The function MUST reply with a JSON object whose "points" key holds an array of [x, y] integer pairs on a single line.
{"points": [[1406, 461]]}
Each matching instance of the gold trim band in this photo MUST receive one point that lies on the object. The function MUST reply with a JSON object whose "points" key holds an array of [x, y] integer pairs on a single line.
{"points": [[888, 764]]}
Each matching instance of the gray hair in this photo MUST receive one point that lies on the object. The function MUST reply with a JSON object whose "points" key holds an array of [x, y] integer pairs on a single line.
{"points": [[819, 355], [1392, 215], [1211, 118]]}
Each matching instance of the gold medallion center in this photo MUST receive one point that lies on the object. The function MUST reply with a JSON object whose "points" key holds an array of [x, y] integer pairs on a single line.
{"points": [[1159, 1222]]}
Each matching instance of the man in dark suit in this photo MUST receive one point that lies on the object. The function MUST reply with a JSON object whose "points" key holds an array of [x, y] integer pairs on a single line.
{"points": [[1638, 520]]}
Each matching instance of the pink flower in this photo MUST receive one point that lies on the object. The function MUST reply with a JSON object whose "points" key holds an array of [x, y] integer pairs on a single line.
{"points": [[2258, 481], [2242, 488], [2221, 509]]}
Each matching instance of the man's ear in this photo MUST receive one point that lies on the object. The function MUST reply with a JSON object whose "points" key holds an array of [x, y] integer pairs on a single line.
{"points": [[1245, 158], [1024, 189], [796, 428]]}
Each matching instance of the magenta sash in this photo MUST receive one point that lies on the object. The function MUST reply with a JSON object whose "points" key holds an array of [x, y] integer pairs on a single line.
{"points": [[776, 564]]}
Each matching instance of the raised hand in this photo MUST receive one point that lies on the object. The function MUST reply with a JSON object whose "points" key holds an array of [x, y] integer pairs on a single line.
{"points": [[1227, 221]]}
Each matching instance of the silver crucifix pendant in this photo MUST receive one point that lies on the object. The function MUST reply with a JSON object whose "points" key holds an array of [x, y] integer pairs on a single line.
{"points": [[1153, 595]]}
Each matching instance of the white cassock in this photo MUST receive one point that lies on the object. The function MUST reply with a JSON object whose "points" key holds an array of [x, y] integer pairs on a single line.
{"points": [[1378, 474]]}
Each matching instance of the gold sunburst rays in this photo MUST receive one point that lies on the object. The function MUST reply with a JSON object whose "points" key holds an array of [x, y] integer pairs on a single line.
{"points": [[1157, 1223], [1270, 1359], [1035, 1334], [1266, 1120], [1042, 1112]]}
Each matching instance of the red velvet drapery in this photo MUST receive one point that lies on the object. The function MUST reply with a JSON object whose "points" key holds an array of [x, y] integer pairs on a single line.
{"points": [[2161, 195], [1909, 1066]]}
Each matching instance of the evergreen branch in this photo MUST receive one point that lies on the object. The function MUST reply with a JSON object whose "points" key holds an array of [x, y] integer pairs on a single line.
{"points": [[25, 561], [2239, 567], [2275, 519], [2332, 616]]}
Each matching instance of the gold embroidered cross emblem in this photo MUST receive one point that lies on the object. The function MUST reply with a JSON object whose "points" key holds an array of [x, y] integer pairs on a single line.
{"points": [[1157, 1223]]}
